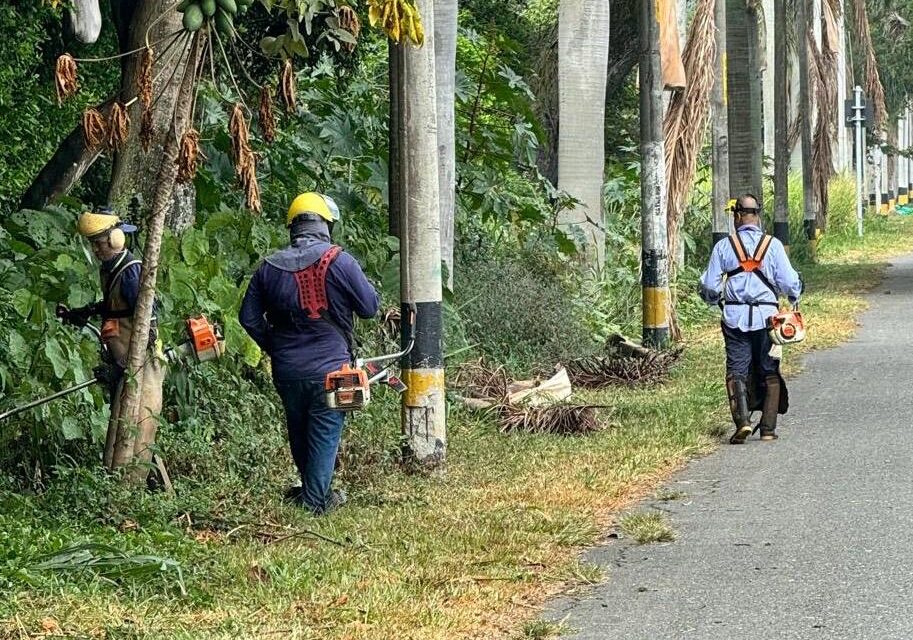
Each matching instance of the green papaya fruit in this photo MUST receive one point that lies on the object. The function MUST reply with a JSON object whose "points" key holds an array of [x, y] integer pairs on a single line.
{"points": [[193, 17], [209, 7], [183, 5], [224, 24], [229, 6]]}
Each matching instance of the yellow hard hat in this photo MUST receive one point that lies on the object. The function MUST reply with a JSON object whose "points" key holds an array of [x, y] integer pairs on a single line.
{"points": [[315, 204], [91, 224]]}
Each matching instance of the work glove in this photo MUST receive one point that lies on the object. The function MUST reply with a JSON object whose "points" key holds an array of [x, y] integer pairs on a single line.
{"points": [[107, 374], [76, 317]]}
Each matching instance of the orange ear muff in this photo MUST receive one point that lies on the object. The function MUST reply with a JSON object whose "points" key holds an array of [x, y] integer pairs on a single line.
{"points": [[117, 240]]}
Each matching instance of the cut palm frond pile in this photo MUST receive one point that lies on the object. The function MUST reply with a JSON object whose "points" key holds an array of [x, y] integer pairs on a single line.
{"points": [[560, 419], [481, 381], [623, 363]]}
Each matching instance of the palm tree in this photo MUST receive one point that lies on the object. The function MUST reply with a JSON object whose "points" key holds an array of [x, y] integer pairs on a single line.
{"points": [[744, 80], [583, 49]]}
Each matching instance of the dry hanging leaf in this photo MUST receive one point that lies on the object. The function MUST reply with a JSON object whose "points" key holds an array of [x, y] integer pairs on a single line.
{"points": [[94, 128], [147, 129], [118, 126], [287, 87], [252, 187], [144, 79], [240, 137], [188, 155], [267, 119], [65, 77], [348, 20]]}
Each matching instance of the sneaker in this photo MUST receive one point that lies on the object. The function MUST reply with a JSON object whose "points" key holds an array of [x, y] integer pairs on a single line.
{"points": [[740, 435]]}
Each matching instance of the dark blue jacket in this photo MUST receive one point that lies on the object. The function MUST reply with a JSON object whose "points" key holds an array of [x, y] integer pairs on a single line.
{"points": [[307, 349]]}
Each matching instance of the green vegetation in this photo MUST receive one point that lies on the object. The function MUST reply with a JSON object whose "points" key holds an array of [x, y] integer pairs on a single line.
{"points": [[648, 527]]}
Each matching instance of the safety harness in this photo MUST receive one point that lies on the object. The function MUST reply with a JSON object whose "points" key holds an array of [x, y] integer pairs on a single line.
{"points": [[113, 282], [751, 264], [312, 298]]}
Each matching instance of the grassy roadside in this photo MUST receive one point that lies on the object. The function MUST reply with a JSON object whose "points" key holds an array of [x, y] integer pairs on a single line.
{"points": [[469, 554]]}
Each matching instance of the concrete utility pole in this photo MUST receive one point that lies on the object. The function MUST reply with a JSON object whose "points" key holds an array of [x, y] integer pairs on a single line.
{"points": [[781, 131], [809, 197], [720, 128], [858, 121], [424, 416], [654, 256]]}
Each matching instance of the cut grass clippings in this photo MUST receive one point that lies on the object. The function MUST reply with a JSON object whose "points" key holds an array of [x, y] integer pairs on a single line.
{"points": [[471, 553], [648, 528]]}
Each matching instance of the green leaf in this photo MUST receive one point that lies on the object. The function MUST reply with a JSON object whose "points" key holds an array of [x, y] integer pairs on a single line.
{"points": [[194, 247], [23, 300], [57, 357], [63, 262], [19, 348], [71, 429]]}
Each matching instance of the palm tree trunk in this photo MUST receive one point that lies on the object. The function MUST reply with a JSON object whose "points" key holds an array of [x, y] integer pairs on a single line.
{"points": [[583, 49], [720, 126], [781, 128], [744, 81]]}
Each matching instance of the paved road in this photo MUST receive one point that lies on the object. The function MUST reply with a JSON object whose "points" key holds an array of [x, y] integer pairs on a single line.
{"points": [[808, 537]]}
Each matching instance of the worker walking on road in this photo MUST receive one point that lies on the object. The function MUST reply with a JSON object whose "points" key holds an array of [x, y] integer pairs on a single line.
{"points": [[299, 309], [746, 276]]}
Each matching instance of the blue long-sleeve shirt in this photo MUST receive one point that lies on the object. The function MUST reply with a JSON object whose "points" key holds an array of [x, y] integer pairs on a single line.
{"points": [[748, 287], [309, 349]]}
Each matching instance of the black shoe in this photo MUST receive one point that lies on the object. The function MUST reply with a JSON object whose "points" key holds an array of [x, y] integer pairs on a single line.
{"points": [[334, 501], [293, 494], [741, 433]]}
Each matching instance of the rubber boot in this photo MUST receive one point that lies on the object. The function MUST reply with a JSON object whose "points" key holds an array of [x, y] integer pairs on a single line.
{"points": [[738, 405], [771, 409]]}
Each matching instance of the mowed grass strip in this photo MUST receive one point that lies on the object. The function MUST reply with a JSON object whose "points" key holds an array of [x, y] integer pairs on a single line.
{"points": [[471, 553]]}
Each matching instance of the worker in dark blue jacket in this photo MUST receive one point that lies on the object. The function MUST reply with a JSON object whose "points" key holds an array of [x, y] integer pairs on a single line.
{"points": [[299, 309]]}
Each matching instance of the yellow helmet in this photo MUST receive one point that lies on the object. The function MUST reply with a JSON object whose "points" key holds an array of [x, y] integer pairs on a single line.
{"points": [[315, 204], [91, 224]]}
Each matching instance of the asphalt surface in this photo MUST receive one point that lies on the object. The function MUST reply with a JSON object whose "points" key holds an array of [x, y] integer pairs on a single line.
{"points": [[807, 537]]}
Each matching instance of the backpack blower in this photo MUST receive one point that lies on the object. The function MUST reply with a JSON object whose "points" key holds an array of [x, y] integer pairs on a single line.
{"points": [[349, 388], [204, 343], [786, 327]]}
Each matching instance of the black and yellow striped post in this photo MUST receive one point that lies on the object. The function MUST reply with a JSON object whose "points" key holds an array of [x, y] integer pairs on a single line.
{"points": [[424, 425], [654, 255]]}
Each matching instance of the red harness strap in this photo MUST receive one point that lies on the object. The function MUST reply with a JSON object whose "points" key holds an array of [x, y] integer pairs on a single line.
{"points": [[312, 285]]}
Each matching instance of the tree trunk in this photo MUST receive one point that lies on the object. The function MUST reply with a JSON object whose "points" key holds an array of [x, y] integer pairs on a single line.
{"points": [[445, 40], [126, 437], [892, 163], [85, 20], [720, 129], [130, 173], [423, 418], [654, 257], [809, 195], [781, 129], [745, 124], [583, 49]]}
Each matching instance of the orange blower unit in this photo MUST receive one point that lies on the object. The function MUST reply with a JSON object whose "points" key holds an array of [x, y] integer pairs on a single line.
{"points": [[786, 327]]}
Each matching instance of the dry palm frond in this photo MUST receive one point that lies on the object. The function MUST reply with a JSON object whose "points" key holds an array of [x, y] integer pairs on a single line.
{"points": [[479, 380], [598, 372], [240, 137], [188, 156], [267, 119], [144, 83], [65, 78], [118, 126], [287, 87], [251, 186], [685, 125], [94, 129], [348, 20], [556, 419], [389, 325], [873, 87]]}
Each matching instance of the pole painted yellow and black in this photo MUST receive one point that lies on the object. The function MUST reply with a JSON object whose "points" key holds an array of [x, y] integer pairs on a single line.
{"points": [[654, 254], [424, 426], [720, 129], [809, 196], [781, 126]]}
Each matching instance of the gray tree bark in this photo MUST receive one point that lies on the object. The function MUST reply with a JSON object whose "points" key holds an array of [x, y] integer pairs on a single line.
{"points": [[781, 126], [746, 149], [720, 129], [583, 49]]}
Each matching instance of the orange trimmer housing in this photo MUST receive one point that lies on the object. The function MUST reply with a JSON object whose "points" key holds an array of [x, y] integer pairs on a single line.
{"points": [[206, 343], [786, 327], [347, 389]]}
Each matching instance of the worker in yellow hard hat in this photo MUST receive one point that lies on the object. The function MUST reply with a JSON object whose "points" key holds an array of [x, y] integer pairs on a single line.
{"points": [[120, 283], [299, 309]]}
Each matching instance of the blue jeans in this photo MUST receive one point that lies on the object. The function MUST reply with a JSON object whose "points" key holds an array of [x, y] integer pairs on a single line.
{"points": [[313, 434], [748, 352]]}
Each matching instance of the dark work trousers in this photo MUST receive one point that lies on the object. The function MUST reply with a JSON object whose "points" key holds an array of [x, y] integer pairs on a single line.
{"points": [[748, 352], [313, 433]]}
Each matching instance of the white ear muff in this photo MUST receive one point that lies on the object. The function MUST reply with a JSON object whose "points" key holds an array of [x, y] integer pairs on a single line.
{"points": [[117, 240]]}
